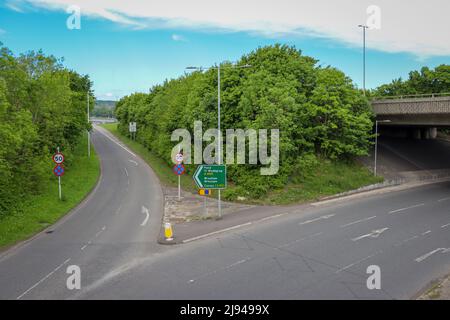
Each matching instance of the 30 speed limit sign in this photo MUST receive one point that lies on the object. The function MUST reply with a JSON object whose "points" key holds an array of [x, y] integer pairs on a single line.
{"points": [[58, 158]]}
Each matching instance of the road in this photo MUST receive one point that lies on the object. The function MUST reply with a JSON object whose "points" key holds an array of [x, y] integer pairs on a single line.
{"points": [[109, 229], [317, 251]]}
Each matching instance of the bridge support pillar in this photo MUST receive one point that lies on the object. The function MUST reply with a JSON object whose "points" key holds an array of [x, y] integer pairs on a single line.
{"points": [[433, 133], [417, 134]]}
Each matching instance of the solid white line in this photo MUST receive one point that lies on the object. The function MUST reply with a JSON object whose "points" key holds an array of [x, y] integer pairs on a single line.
{"points": [[119, 144], [43, 279], [445, 225], [145, 210], [216, 232], [403, 209], [357, 221]]}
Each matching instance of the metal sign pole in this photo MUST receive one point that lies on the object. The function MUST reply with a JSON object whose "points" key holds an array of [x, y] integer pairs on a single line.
{"points": [[59, 183], [220, 134], [88, 133], [179, 180]]}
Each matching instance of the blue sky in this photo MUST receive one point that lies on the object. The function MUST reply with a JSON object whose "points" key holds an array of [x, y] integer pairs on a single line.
{"points": [[121, 59]]}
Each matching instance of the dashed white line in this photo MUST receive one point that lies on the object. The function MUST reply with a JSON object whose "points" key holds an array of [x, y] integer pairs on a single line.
{"points": [[84, 247], [426, 232], [126, 171], [43, 279], [445, 225], [316, 219], [98, 233], [357, 221], [221, 269], [403, 209], [427, 255], [357, 262], [444, 199], [301, 239]]}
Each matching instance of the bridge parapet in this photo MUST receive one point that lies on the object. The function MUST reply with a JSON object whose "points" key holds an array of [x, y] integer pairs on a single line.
{"points": [[412, 105]]}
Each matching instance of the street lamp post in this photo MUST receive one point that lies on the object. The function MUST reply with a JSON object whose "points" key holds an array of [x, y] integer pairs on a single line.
{"points": [[376, 143], [219, 148], [88, 133], [364, 27]]}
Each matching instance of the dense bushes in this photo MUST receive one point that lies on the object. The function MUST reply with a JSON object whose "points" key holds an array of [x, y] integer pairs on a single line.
{"points": [[42, 106], [318, 111], [425, 81]]}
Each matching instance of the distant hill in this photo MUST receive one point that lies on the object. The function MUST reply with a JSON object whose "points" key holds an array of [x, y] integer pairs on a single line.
{"points": [[104, 108]]}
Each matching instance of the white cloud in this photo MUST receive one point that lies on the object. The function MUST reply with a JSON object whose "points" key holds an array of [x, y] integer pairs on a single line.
{"points": [[416, 26], [177, 37]]}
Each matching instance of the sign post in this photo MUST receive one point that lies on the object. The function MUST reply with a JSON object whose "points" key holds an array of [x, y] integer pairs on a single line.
{"points": [[132, 130], [58, 170], [211, 177]]}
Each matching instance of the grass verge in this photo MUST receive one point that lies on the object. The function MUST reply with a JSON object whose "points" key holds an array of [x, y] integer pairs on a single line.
{"points": [[36, 212], [328, 179]]}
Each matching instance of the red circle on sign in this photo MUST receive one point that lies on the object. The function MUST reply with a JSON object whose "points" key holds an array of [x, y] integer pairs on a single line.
{"points": [[58, 170], [58, 158], [178, 169]]}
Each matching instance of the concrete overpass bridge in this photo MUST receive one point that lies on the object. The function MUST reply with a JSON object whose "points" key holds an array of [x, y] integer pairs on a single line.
{"points": [[414, 115]]}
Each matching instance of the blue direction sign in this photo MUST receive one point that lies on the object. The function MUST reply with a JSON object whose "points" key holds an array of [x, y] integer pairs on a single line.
{"points": [[211, 176], [58, 170]]}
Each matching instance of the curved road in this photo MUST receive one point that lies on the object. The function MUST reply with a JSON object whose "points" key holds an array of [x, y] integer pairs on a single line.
{"points": [[317, 251]]}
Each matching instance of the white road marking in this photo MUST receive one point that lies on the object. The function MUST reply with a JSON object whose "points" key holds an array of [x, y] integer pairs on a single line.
{"points": [[426, 232], [358, 262], [316, 219], [427, 255], [221, 269], [216, 232], [444, 199], [301, 239], [406, 240], [134, 162], [357, 221], [98, 233], [126, 171], [373, 234], [403, 209], [147, 215], [445, 225], [43, 279], [84, 247], [116, 142]]}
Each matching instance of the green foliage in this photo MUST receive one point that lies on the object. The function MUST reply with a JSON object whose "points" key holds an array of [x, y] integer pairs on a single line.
{"points": [[317, 110], [425, 81], [42, 106]]}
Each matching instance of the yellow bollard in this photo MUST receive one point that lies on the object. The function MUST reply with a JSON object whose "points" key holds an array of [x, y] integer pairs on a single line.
{"points": [[168, 233]]}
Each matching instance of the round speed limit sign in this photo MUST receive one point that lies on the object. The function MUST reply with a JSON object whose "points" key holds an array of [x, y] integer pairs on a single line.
{"points": [[58, 158], [179, 157]]}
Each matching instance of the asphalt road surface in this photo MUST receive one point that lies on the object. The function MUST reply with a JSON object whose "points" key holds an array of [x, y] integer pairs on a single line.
{"points": [[321, 251]]}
